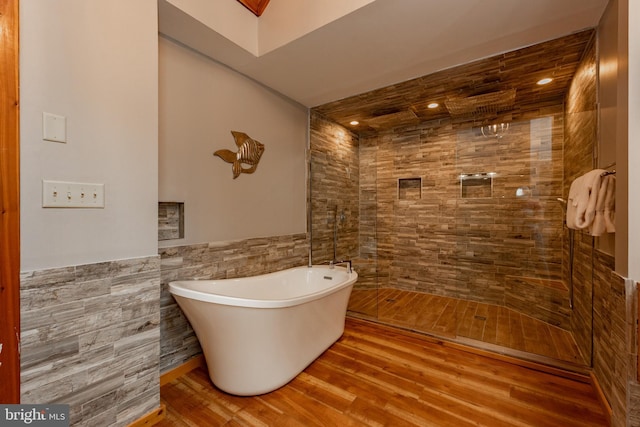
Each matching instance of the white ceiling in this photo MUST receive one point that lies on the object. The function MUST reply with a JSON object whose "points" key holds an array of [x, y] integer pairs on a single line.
{"points": [[386, 42]]}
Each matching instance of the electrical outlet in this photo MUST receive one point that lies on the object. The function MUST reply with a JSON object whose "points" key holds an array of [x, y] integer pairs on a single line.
{"points": [[60, 194]]}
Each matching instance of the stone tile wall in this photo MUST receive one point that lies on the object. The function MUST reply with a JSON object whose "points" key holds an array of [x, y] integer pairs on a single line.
{"points": [[90, 338], [582, 313], [219, 260], [613, 347], [546, 300], [579, 146], [465, 247], [440, 242], [335, 174], [366, 260]]}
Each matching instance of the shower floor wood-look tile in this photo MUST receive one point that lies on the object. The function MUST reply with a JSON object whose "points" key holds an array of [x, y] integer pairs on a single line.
{"points": [[455, 318], [378, 375]]}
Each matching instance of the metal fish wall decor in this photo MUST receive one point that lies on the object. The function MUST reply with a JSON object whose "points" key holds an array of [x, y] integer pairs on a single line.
{"points": [[249, 153]]}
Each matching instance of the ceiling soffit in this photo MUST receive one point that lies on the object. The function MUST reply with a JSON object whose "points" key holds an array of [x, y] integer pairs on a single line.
{"points": [[514, 72]]}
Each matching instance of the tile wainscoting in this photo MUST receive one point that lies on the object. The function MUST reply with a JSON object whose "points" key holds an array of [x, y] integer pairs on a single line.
{"points": [[219, 260], [615, 338], [90, 338], [97, 336]]}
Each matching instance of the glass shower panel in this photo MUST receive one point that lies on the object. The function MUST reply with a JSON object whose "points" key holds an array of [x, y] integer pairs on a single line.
{"points": [[478, 224], [415, 233], [509, 252], [342, 205], [364, 297]]}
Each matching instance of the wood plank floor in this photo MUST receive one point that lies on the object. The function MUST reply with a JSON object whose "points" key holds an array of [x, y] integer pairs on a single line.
{"points": [[382, 376], [455, 318]]}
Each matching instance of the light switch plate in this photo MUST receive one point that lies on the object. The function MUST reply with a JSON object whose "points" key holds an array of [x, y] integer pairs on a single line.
{"points": [[60, 194], [54, 127]]}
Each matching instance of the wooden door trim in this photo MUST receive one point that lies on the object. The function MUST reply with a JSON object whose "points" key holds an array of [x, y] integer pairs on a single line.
{"points": [[9, 203]]}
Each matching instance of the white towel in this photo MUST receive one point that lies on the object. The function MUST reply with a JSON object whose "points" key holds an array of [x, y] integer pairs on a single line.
{"points": [[599, 226], [572, 203], [583, 195], [610, 205]]}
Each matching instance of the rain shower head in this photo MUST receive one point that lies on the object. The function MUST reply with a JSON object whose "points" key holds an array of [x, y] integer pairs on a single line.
{"points": [[487, 103]]}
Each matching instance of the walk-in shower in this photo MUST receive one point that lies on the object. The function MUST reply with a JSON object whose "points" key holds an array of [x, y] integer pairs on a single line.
{"points": [[453, 224]]}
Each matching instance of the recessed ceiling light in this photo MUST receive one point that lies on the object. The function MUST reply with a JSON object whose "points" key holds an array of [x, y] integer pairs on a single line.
{"points": [[545, 81], [354, 123], [433, 105]]}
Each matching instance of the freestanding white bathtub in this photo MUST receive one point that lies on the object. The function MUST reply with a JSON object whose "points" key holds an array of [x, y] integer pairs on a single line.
{"points": [[258, 333]]}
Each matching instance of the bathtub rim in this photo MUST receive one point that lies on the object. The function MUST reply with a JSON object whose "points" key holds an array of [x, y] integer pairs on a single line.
{"points": [[177, 290]]}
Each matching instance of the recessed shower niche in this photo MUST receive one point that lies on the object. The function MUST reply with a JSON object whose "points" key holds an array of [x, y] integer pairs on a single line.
{"points": [[476, 185], [170, 220], [410, 188]]}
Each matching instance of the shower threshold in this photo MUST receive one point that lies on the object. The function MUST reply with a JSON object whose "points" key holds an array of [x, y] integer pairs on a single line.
{"points": [[489, 327]]}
